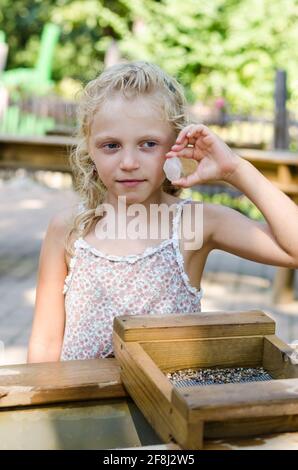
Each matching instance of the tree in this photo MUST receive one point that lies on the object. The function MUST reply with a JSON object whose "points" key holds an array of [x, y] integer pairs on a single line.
{"points": [[227, 48]]}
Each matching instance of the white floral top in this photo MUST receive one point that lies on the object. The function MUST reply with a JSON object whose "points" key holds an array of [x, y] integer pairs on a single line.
{"points": [[99, 287]]}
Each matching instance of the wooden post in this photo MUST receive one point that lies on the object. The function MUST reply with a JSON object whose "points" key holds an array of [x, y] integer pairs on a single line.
{"points": [[283, 285], [281, 133]]}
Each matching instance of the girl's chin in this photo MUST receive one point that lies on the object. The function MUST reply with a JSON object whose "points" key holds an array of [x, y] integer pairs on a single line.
{"points": [[132, 196]]}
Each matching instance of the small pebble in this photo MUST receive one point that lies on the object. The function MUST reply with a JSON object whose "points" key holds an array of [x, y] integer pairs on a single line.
{"points": [[173, 168]]}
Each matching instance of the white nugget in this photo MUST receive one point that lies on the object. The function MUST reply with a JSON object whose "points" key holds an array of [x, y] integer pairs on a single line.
{"points": [[294, 356], [173, 168]]}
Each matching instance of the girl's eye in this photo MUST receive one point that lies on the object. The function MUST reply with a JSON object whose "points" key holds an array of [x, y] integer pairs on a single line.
{"points": [[110, 146], [151, 143], [114, 145]]}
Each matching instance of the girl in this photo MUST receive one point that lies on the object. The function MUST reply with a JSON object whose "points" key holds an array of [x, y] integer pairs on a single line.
{"points": [[133, 117]]}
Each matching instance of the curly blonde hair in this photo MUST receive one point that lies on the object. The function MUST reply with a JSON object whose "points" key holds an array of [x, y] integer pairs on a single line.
{"points": [[132, 79]]}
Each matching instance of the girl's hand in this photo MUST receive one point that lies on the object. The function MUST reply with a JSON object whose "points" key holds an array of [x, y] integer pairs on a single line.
{"points": [[216, 161]]}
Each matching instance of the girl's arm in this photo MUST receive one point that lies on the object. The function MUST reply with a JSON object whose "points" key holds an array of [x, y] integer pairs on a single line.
{"points": [[49, 315], [274, 242]]}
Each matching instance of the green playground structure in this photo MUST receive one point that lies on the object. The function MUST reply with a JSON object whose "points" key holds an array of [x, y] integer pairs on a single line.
{"points": [[16, 122], [28, 82], [37, 79]]}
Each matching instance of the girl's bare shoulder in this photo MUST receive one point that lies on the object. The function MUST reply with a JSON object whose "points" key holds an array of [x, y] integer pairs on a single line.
{"points": [[60, 222], [208, 216], [59, 227]]}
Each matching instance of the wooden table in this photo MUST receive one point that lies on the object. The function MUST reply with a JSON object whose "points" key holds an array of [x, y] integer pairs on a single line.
{"points": [[68, 405], [83, 405]]}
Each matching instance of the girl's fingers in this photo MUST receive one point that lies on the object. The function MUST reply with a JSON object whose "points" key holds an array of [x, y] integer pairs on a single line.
{"points": [[187, 181], [190, 131], [182, 134], [186, 152], [199, 129], [179, 146]]}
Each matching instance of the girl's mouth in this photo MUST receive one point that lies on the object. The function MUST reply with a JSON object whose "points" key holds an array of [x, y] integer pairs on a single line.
{"points": [[131, 183]]}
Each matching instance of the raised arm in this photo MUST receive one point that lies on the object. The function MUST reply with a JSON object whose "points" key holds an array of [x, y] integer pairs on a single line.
{"points": [[49, 315], [272, 242], [237, 234]]}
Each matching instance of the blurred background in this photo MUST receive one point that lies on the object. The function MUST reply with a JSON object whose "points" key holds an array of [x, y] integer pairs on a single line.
{"points": [[238, 62]]}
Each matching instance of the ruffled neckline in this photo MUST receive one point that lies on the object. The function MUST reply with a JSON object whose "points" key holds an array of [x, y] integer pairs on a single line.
{"points": [[81, 242]]}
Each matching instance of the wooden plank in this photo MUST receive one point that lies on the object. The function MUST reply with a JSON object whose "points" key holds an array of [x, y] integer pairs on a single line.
{"points": [[250, 427], [40, 383], [242, 400], [206, 352], [151, 392], [283, 157], [35, 157], [284, 441], [276, 358], [200, 325], [37, 153]]}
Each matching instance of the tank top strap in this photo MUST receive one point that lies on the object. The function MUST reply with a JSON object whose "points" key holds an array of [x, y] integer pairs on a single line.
{"points": [[177, 218], [179, 256]]}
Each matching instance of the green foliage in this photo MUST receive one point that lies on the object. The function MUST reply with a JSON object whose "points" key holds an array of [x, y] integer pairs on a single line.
{"points": [[240, 203], [215, 48]]}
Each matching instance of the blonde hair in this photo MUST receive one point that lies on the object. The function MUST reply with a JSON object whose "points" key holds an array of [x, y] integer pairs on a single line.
{"points": [[131, 79]]}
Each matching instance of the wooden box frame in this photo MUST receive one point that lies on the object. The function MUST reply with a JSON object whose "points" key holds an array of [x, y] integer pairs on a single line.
{"points": [[149, 346]]}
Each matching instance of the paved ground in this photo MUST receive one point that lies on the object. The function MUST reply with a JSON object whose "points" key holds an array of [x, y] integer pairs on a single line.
{"points": [[230, 283]]}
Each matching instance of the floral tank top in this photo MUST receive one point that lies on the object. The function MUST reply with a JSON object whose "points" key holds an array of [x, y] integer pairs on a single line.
{"points": [[100, 287]]}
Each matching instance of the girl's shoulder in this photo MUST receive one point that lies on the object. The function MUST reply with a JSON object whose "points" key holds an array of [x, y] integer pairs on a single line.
{"points": [[61, 220], [205, 217], [61, 223]]}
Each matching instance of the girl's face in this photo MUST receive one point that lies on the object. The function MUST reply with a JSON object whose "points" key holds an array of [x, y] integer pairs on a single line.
{"points": [[128, 140]]}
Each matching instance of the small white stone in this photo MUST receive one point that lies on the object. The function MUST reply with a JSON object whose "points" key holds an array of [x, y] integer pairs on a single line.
{"points": [[173, 168], [294, 358]]}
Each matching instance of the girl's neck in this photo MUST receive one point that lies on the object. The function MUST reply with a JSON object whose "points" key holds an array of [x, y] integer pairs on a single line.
{"points": [[121, 205]]}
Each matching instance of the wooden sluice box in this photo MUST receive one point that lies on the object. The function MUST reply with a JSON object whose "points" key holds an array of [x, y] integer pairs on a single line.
{"points": [[148, 348], [128, 401]]}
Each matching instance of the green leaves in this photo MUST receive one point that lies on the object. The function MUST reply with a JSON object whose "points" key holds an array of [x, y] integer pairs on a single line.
{"points": [[215, 48], [239, 203]]}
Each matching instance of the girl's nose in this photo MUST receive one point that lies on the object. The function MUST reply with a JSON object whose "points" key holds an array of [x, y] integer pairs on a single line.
{"points": [[129, 161]]}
